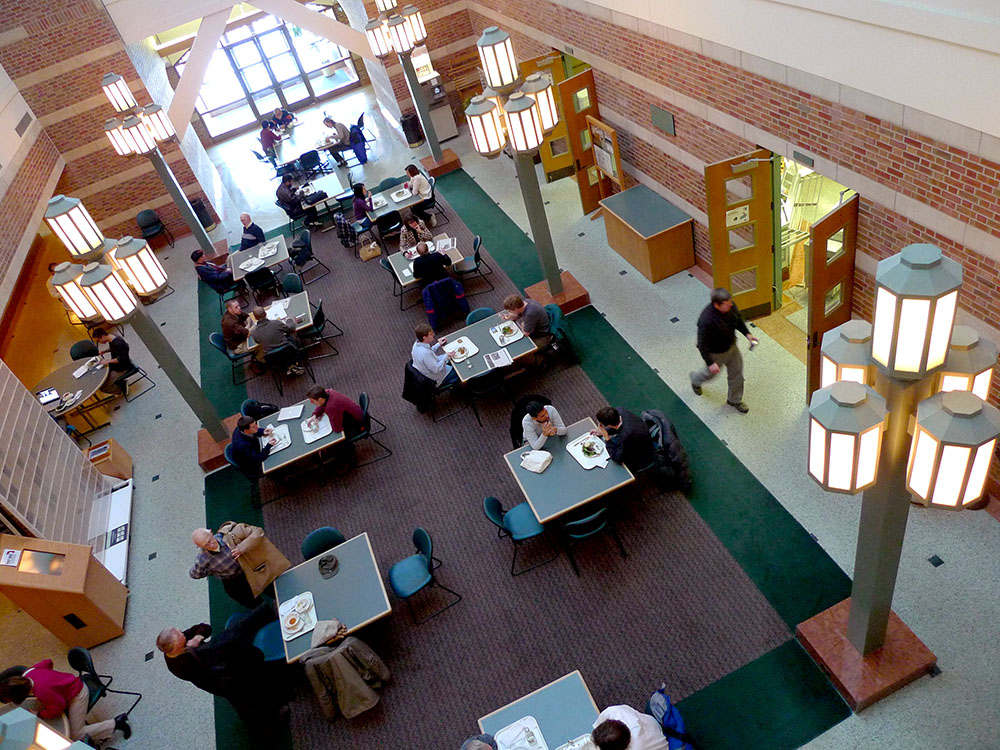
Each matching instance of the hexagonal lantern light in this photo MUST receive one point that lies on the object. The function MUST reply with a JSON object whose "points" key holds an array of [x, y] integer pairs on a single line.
{"points": [[73, 225], [953, 443], [846, 421], [846, 354], [916, 293], [969, 365]]}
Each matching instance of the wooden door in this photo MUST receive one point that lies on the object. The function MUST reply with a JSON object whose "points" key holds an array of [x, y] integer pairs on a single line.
{"points": [[833, 242], [557, 159], [741, 229], [579, 99]]}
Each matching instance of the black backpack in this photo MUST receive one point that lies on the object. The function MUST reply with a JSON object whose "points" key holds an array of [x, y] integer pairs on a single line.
{"points": [[669, 455]]}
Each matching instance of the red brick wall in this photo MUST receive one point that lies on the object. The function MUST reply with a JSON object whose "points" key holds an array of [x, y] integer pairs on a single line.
{"points": [[21, 198]]}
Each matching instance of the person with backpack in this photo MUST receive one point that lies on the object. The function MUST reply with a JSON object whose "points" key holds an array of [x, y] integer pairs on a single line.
{"points": [[624, 728]]}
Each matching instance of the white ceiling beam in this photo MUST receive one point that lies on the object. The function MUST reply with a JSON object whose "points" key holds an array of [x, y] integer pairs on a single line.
{"points": [[186, 94]]}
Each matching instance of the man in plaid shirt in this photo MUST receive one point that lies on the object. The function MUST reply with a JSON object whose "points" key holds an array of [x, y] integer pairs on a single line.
{"points": [[215, 558]]}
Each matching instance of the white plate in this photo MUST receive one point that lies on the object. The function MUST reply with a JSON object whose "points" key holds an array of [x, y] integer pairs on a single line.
{"points": [[470, 348], [401, 195]]}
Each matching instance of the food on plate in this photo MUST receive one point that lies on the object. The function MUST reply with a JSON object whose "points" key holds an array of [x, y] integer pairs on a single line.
{"points": [[292, 621], [460, 351], [590, 448], [302, 604], [507, 329]]}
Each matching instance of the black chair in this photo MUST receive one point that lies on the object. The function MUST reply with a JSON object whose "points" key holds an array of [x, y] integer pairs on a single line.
{"points": [[279, 360], [84, 349], [474, 265], [236, 361], [291, 283], [311, 163], [129, 379], [294, 217], [433, 208], [422, 392], [254, 480], [237, 290], [388, 224], [517, 414], [303, 259], [397, 288], [389, 182], [251, 407], [269, 162], [150, 225], [98, 685], [314, 333], [576, 531], [262, 280], [367, 433]]}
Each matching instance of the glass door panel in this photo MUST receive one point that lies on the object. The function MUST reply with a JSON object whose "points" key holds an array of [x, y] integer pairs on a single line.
{"points": [[284, 68], [266, 102], [273, 43], [245, 54], [294, 91], [256, 77]]}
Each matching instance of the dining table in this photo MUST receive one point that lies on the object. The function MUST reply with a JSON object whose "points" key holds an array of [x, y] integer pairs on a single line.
{"points": [[485, 335], [355, 594], [564, 710], [302, 442], [402, 262], [395, 198], [64, 381], [565, 485], [240, 257], [295, 306]]}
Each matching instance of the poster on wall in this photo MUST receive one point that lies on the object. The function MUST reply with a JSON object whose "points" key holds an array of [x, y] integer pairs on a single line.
{"points": [[604, 142]]}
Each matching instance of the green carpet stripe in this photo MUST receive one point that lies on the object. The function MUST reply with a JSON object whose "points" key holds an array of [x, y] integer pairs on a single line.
{"points": [[781, 700], [794, 573], [502, 238], [227, 498]]}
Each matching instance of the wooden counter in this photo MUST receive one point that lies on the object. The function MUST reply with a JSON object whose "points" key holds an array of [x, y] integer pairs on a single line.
{"points": [[652, 234]]}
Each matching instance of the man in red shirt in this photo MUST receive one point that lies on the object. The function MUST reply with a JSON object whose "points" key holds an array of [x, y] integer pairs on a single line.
{"points": [[268, 138], [345, 415]]}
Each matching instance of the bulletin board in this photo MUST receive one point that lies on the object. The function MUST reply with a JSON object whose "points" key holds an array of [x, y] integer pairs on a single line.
{"points": [[604, 141]]}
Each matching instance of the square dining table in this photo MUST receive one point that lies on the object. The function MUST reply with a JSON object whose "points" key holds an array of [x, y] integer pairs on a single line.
{"points": [[564, 710], [565, 485], [403, 266], [299, 448], [479, 334], [241, 256], [390, 203], [355, 594], [296, 305]]}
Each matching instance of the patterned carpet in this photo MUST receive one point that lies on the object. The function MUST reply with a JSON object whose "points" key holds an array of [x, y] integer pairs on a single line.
{"points": [[679, 609]]}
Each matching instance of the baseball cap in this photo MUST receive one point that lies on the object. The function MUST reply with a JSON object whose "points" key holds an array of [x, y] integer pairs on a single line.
{"points": [[197, 254]]}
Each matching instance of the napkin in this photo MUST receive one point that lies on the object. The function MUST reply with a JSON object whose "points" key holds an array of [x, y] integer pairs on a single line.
{"points": [[327, 632]]}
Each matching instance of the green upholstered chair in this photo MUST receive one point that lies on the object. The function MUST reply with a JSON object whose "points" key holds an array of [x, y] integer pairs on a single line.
{"points": [[518, 523]]}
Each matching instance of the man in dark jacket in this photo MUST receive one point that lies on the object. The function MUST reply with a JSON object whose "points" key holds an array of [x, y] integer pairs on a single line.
{"points": [[252, 234], [626, 436], [274, 334], [246, 449], [292, 203], [428, 266], [228, 665], [218, 277], [235, 325], [717, 327]]}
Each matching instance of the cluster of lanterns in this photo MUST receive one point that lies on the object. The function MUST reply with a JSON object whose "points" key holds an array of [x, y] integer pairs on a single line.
{"points": [[395, 33], [913, 338], [141, 127], [527, 115]]}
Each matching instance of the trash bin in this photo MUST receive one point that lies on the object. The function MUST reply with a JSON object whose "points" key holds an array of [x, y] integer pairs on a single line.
{"points": [[412, 130], [201, 211]]}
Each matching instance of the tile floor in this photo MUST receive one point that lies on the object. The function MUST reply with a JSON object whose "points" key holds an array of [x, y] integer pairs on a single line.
{"points": [[953, 608]]}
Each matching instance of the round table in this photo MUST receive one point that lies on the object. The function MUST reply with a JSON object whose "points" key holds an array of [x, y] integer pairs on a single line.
{"points": [[64, 382]]}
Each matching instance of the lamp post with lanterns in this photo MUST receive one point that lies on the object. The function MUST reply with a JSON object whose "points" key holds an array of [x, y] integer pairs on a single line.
{"points": [[137, 131], [860, 437], [516, 113], [97, 293], [400, 33]]}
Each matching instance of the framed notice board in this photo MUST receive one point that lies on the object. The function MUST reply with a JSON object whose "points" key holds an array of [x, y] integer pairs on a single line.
{"points": [[604, 141]]}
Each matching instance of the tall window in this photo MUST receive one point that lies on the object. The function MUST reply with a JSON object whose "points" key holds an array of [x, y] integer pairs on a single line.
{"points": [[265, 64]]}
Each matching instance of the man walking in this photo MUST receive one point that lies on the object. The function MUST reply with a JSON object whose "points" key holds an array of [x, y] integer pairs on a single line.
{"points": [[717, 327]]}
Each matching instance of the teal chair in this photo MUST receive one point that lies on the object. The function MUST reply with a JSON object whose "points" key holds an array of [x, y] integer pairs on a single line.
{"points": [[474, 265], [267, 639], [416, 572], [584, 528], [98, 685], [237, 362], [251, 407], [389, 182], [83, 350], [254, 481], [321, 540], [518, 523], [367, 433], [479, 314], [559, 328], [292, 283]]}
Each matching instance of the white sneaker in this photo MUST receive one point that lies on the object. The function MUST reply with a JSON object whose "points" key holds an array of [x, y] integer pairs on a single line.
{"points": [[434, 220]]}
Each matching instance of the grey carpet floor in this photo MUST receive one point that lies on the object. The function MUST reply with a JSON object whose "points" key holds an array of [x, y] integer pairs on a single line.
{"points": [[678, 609]]}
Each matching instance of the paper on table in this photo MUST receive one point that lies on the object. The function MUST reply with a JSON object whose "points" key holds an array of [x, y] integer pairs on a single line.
{"points": [[277, 310], [290, 412], [446, 244], [499, 358], [80, 371]]}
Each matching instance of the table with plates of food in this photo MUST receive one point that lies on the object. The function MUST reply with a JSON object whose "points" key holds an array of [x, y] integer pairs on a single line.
{"points": [[274, 252]]}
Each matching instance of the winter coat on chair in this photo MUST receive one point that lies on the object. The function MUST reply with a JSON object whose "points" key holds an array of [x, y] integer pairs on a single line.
{"points": [[345, 677], [261, 561], [443, 297]]}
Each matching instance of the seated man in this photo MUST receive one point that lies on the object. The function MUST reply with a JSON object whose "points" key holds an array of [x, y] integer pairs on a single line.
{"points": [[429, 266], [273, 334], [338, 139], [220, 278], [530, 316], [626, 436], [429, 359], [288, 195], [624, 728], [234, 325], [252, 234], [413, 231], [246, 450], [540, 423], [117, 359], [345, 415], [282, 118], [268, 138], [229, 665], [480, 742], [419, 185]]}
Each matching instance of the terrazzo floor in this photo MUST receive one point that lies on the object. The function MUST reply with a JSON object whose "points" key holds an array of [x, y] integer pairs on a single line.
{"points": [[953, 607]]}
